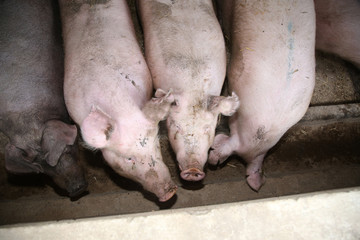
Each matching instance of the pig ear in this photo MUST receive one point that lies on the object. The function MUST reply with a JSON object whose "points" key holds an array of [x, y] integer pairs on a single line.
{"points": [[16, 162], [157, 109], [97, 128], [56, 136], [225, 105]]}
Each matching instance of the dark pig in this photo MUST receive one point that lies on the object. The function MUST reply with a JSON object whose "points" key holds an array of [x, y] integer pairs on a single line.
{"points": [[272, 70], [33, 114], [108, 91]]}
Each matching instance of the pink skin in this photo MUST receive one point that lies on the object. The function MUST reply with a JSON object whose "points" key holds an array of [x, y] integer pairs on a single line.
{"points": [[192, 62], [337, 28], [108, 89], [272, 70]]}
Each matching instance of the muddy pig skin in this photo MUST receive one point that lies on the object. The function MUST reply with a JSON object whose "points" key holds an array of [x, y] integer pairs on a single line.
{"points": [[33, 114], [185, 51], [272, 70], [108, 91], [338, 28]]}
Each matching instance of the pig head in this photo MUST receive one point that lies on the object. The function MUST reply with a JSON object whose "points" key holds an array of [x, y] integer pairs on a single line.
{"points": [[52, 154], [131, 146], [191, 130]]}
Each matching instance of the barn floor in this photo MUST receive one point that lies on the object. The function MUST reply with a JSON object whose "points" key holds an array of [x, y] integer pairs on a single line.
{"points": [[321, 152], [331, 214]]}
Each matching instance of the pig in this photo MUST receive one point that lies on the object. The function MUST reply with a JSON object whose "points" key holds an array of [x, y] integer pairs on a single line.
{"points": [[337, 28], [108, 91], [33, 114], [185, 51], [272, 70]]}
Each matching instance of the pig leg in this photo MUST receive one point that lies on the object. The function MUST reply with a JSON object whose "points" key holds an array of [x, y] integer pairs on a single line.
{"points": [[224, 146], [254, 173]]}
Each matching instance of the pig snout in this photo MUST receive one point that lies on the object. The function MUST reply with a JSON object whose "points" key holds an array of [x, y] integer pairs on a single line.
{"points": [[69, 175], [76, 186], [160, 183], [169, 191], [163, 190], [76, 190], [192, 174]]}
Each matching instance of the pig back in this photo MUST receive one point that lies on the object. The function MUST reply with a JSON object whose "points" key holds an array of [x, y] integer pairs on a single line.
{"points": [[272, 67], [184, 45], [101, 47], [31, 63]]}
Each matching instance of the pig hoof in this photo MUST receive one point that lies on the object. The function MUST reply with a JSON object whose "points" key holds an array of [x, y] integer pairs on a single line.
{"points": [[171, 192], [255, 180], [192, 174]]}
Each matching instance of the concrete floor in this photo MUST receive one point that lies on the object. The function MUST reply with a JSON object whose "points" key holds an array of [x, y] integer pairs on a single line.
{"points": [[325, 215]]}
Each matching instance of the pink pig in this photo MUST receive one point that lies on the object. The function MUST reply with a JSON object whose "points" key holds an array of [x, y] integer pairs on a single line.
{"points": [[185, 51], [272, 70], [108, 89], [338, 28]]}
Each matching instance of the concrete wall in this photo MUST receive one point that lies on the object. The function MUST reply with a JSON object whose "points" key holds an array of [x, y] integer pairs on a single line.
{"points": [[322, 215]]}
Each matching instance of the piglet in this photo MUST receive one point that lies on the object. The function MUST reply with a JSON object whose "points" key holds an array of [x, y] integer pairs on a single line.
{"points": [[272, 70], [33, 114], [338, 28], [185, 51], [108, 91]]}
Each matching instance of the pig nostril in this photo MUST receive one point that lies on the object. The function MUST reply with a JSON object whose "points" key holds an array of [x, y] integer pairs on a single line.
{"points": [[192, 174]]}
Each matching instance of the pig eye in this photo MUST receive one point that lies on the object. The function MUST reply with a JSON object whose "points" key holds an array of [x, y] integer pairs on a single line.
{"points": [[131, 159], [175, 103], [23, 152]]}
